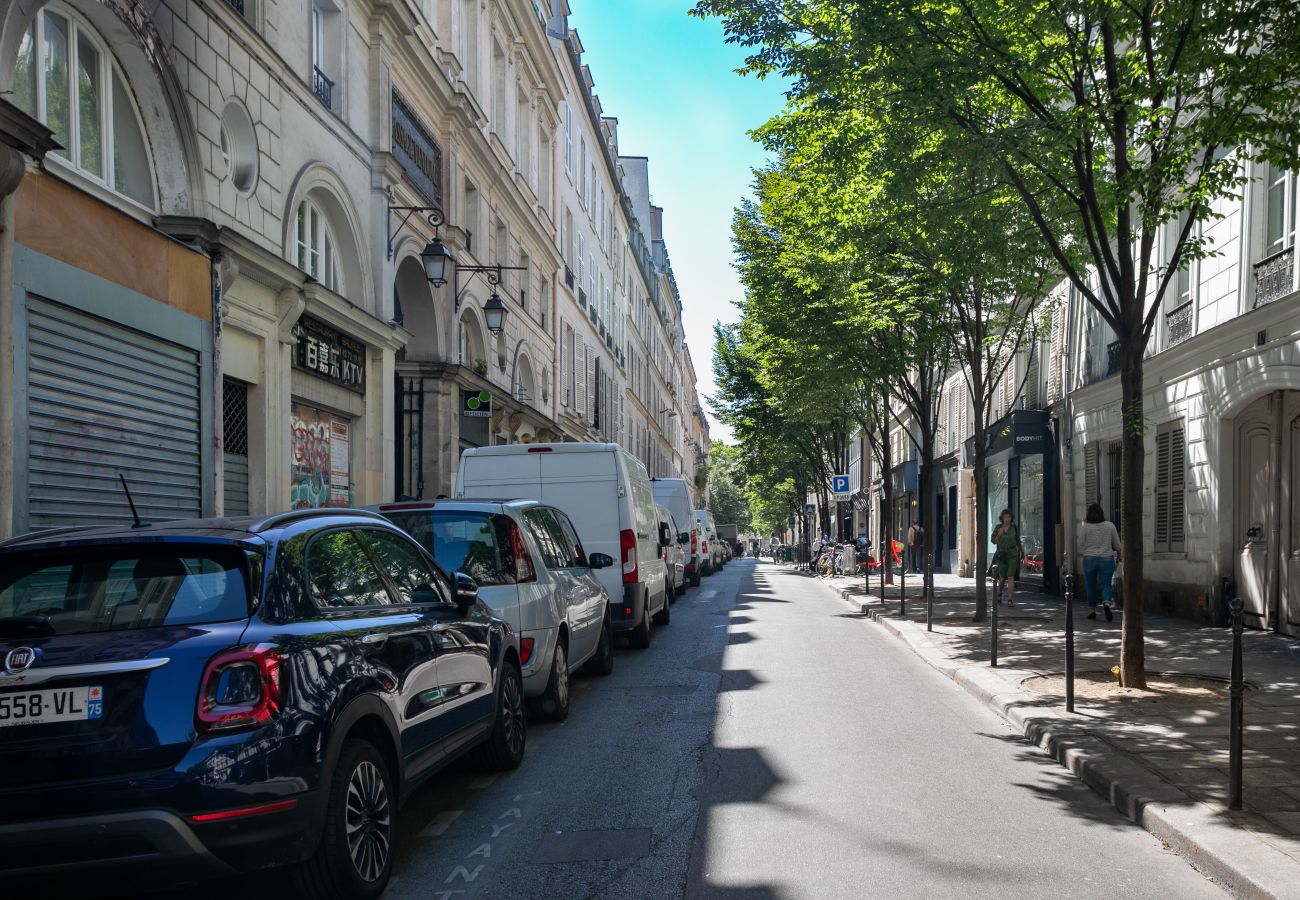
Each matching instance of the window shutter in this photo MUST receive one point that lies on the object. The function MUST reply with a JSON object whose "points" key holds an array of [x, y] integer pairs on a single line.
{"points": [[1177, 489], [1164, 470], [1091, 481], [1056, 350], [590, 374], [963, 421], [580, 354], [941, 429], [566, 366]]}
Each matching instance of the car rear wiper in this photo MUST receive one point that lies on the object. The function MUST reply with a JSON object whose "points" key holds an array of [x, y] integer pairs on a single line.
{"points": [[19, 626]]}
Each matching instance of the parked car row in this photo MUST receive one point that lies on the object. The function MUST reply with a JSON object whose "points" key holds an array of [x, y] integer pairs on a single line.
{"points": [[212, 697]]}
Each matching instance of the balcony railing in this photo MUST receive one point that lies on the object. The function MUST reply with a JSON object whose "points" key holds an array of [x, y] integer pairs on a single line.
{"points": [[322, 87], [1112, 358], [1274, 276], [582, 298], [568, 278], [1178, 325]]}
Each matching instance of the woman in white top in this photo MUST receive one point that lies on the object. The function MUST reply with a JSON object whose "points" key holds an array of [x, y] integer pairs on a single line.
{"points": [[1101, 554]]}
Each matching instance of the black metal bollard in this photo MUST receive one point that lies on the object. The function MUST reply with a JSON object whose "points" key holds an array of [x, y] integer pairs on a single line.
{"points": [[1237, 702], [993, 609], [884, 563], [929, 591], [1069, 641]]}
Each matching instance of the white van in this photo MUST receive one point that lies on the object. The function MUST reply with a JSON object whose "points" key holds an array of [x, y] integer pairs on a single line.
{"points": [[675, 495], [606, 493], [710, 545]]}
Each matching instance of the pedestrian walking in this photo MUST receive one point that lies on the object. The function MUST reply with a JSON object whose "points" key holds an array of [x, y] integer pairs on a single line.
{"points": [[915, 543], [1006, 556], [1101, 555]]}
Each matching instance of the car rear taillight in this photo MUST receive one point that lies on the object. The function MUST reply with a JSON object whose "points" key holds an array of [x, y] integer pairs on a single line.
{"points": [[695, 542], [240, 689], [526, 650], [627, 543], [525, 573]]}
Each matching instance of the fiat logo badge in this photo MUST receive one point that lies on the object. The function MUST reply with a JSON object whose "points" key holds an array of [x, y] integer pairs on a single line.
{"points": [[19, 659]]}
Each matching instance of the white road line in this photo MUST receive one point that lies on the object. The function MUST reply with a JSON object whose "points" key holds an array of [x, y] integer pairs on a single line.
{"points": [[440, 823]]}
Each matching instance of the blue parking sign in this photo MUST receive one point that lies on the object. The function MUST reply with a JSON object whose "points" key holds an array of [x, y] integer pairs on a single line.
{"points": [[840, 484]]}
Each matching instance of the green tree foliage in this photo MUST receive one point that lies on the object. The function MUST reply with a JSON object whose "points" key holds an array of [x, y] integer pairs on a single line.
{"points": [[1117, 126], [728, 500]]}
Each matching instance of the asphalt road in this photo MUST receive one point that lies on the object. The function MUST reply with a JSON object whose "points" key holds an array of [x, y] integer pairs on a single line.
{"points": [[771, 745]]}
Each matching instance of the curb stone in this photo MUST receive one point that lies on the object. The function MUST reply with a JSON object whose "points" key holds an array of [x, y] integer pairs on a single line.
{"points": [[1238, 861]]}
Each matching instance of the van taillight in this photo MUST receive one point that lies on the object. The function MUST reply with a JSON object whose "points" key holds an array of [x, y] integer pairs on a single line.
{"points": [[695, 542], [525, 573], [627, 543], [240, 689]]}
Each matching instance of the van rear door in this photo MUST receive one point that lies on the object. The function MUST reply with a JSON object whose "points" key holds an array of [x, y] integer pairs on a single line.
{"points": [[500, 476], [585, 486]]}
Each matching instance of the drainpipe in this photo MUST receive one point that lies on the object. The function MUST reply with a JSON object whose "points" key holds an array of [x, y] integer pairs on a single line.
{"points": [[1274, 554], [22, 139]]}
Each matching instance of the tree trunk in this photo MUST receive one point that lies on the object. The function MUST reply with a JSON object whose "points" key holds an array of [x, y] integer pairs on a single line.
{"points": [[887, 506], [981, 523], [1132, 660]]}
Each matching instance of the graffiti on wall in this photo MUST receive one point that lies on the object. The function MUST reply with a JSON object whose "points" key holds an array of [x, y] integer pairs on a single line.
{"points": [[320, 468]]}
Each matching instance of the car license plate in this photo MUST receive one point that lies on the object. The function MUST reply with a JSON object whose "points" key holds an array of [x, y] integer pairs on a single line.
{"points": [[71, 704]]}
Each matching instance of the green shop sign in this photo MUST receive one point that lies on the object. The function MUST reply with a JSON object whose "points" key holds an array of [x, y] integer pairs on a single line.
{"points": [[476, 404]]}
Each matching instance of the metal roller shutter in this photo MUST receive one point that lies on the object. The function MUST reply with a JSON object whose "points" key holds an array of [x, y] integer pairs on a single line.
{"points": [[103, 400]]}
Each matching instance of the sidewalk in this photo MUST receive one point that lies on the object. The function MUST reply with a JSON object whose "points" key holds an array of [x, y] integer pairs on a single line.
{"points": [[1162, 762]]}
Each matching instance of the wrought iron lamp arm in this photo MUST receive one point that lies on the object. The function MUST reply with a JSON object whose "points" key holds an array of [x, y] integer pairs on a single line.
{"points": [[492, 274], [433, 214]]}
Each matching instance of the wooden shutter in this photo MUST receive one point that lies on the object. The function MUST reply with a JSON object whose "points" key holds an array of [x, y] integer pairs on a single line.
{"points": [[566, 366], [1178, 493], [1163, 473], [580, 354], [1056, 357], [1091, 480], [590, 376]]}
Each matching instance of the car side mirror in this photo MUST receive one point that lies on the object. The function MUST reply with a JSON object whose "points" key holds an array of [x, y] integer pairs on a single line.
{"points": [[600, 561], [466, 591]]}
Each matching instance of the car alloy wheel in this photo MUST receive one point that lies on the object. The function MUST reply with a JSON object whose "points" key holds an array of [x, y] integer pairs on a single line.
{"points": [[368, 821], [512, 713]]}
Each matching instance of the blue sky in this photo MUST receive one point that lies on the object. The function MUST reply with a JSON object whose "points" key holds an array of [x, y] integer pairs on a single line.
{"points": [[670, 81]]}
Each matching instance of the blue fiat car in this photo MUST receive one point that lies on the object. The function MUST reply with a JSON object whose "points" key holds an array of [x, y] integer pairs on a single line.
{"points": [[218, 696]]}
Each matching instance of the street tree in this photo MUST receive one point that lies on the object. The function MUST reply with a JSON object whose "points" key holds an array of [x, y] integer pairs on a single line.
{"points": [[1117, 123]]}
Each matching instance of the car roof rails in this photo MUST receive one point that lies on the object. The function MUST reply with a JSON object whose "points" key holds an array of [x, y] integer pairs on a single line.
{"points": [[281, 519], [47, 533]]}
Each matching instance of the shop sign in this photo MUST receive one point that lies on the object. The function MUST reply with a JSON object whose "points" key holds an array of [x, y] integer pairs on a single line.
{"points": [[417, 151], [328, 353], [320, 469], [476, 404]]}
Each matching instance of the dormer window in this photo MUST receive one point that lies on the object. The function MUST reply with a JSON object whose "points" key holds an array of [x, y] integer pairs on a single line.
{"points": [[65, 77]]}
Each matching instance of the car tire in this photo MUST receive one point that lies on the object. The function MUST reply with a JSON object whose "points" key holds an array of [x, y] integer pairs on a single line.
{"points": [[553, 704], [665, 615], [360, 788], [639, 637], [695, 577], [504, 748], [603, 662]]}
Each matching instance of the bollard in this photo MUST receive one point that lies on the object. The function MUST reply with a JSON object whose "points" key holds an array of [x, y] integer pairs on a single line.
{"points": [[1235, 725], [929, 591], [993, 610], [1069, 641]]}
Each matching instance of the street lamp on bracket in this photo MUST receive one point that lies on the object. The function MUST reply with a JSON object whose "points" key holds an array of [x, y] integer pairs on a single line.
{"points": [[436, 258]]}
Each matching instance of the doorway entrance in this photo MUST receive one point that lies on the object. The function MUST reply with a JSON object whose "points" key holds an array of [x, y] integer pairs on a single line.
{"points": [[1266, 525]]}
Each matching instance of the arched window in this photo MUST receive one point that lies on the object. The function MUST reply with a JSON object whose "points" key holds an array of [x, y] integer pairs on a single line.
{"points": [[314, 246], [67, 78]]}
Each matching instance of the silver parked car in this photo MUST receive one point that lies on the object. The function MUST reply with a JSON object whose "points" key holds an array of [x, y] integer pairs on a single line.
{"points": [[531, 571], [675, 544]]}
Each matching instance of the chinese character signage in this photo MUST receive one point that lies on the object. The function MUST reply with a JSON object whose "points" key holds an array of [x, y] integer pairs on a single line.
{"points": [[330, 354]]}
